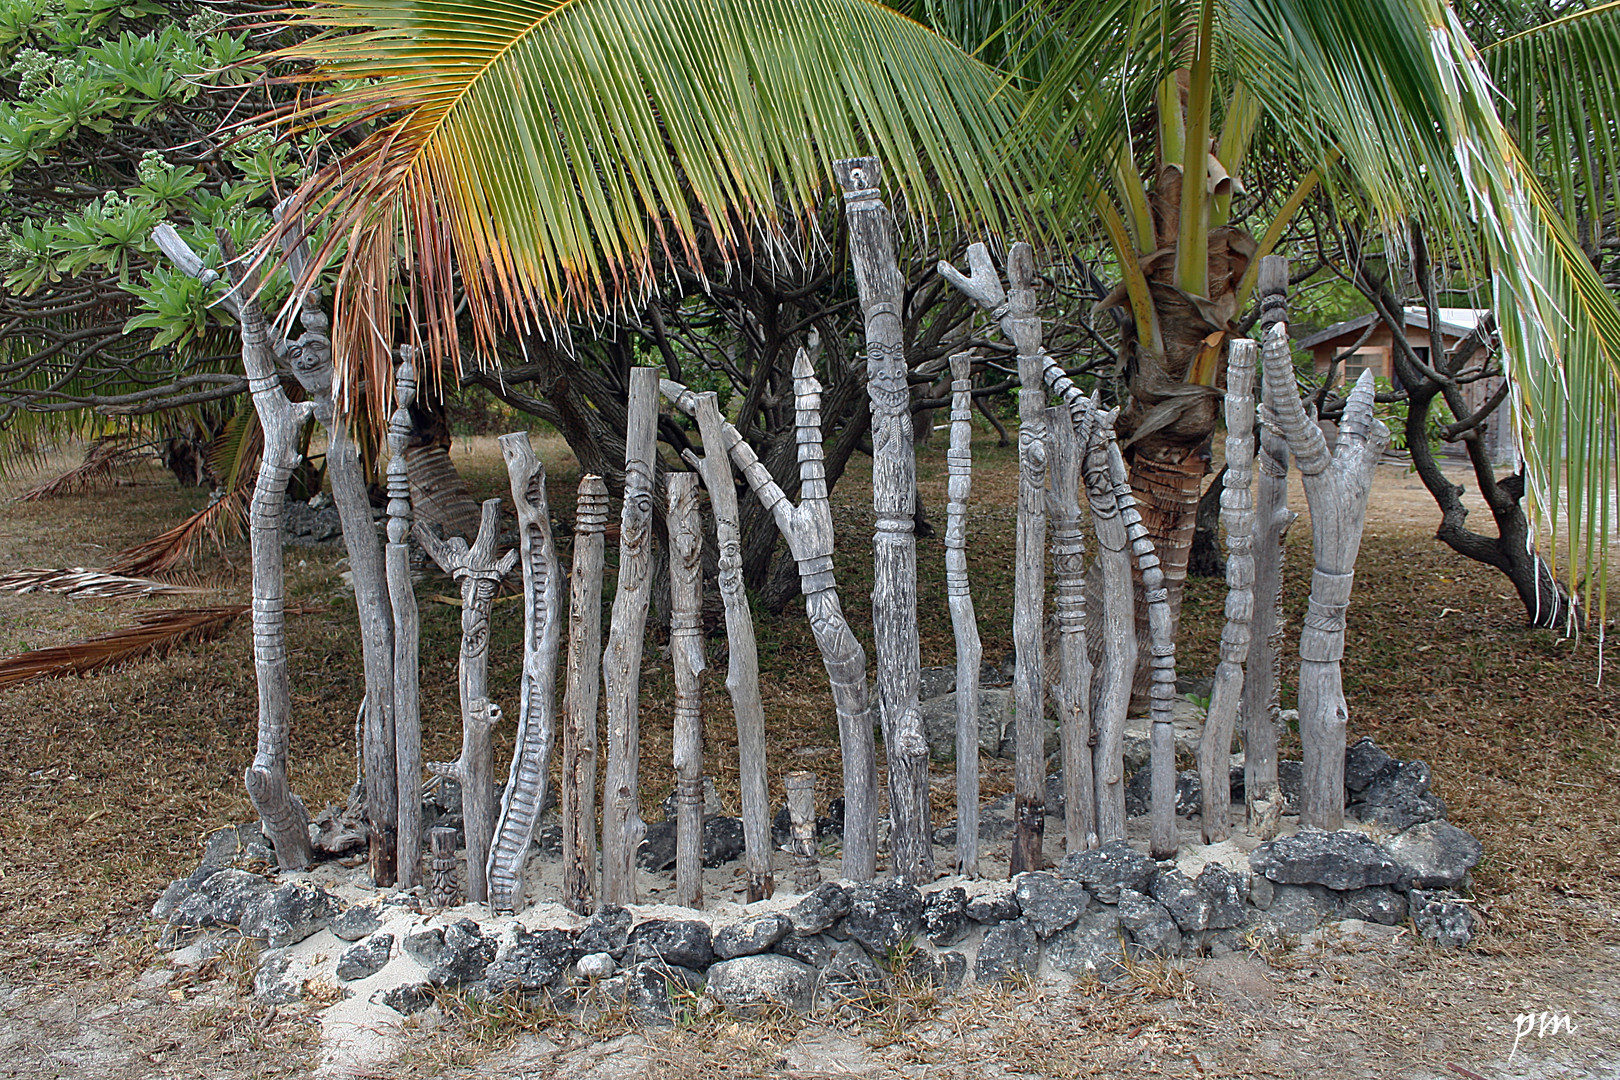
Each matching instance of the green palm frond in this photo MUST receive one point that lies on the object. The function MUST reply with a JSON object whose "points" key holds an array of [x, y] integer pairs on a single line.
{"points": [[547, 156], [1561, 85]]}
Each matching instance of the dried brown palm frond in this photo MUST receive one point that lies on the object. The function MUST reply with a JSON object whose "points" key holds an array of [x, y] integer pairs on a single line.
{"points": [[154, 633], [221, 520], [103, 459], [77, 582]]}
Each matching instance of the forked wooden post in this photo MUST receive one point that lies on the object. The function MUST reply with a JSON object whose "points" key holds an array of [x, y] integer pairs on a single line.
{"points": [[742, 667], [1113, 694], [894, 542], [542, 613], [1337, 486], [959, 463], [1073, 689], [1237, 514], [1272, 519], [622, 827], [479, 573], [581, 697], [685, 525], [808, 530], [407, 630]]}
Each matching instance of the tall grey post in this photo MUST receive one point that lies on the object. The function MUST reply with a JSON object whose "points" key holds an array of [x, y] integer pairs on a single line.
{"points": [[582, 696], [964, 624], [407, 629], [1073, 688], [685, 525], [894, 543]]}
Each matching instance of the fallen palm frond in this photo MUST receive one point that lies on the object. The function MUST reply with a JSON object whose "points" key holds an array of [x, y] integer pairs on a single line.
{"points": [[219, 521], [77, 582], [102, 459], [155, 633]]}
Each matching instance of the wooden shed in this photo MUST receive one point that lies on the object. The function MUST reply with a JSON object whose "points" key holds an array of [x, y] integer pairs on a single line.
{"points": [[1366, 342]]}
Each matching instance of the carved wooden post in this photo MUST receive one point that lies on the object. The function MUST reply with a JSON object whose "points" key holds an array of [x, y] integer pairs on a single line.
{"points": [[407, 629], [1237, 514], [959, 463], [622, 827], [542, 603], [686, 650], [894, 544], [1113, 696], [1073, 690], [1272, 519], [1337, 485], [801, 798], [479, 573], [581, 697], [742, 669], [808, 531], [443, 890]]}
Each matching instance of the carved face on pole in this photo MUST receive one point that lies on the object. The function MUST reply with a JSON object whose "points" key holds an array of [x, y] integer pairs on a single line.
{"points": [[477, 594], [638, 508], [311, 359]]}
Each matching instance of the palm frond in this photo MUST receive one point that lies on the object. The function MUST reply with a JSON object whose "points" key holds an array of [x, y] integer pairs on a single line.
{"points": [[221, 520], [1561, 89], [546, 156], [154, 633], [78, 583], [104, 459]]}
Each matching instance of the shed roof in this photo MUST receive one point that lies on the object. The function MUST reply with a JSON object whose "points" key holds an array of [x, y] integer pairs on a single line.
{"points": [[1459, 322]]}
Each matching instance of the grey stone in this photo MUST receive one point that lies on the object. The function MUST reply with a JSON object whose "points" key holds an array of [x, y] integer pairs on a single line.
{"points": [[1225, 889], [1340, 860], [945, 918], [465, 956], [994, 905], [849, 975], [529, 960], [356, 922], [177, 891], [1079, 953], [289, 913], [276, 983], [747, 983], [596, 965], [425, 945], [812, 949], [722, 842], [819, 910], [1365, 764], [1184, 900], [366, 958], [1216, 943], [883, 914], [1189, 792], [1049, 903], [944, 972], [934, 681], [683, 943], [225, 846], [1009, 950], [1102, 917], [608, 931], [1379, 904], [222, 899], [1298, 909], [751, 936], [406, 998], [1440, 919], [939, 722], [1150, 925], [1261, 891], [1434, 855], [1290, 778], [1108, 869], [1399, 799]]}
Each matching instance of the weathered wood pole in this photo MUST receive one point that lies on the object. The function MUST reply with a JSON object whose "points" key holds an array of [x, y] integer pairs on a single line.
{"points": [[964, 624], [407, 631], [286, 822], [1237, 514], [479, 573], [894, 543], [809, 534], [542, 614], [581, 697], [443, 890], [1262, 671], [1073, 689], [622, 827], [742, 667], [685, 525], [1337, 486], [311, 359], [1112, 698], [801, 799]]}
